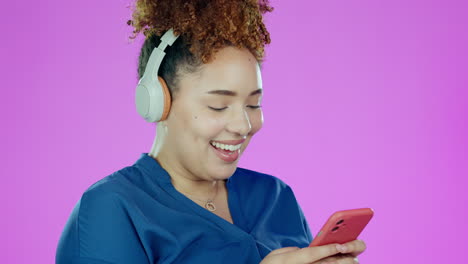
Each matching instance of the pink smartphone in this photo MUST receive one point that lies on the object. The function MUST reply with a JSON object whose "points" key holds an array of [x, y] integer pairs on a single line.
{"points": [[343, 226]]}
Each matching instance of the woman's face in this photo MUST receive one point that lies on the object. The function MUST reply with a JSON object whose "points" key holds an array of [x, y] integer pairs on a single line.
{"points": [[219, 103]]}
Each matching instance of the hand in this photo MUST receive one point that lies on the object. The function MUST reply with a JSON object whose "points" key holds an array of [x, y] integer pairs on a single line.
{"points": [[349, 255], [317, 255]]}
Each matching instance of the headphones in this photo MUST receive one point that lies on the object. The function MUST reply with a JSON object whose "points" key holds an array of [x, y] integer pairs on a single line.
{"points": [[153, 99]]}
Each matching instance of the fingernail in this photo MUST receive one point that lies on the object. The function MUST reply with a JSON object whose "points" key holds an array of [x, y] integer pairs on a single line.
{"points": [[341, 248]]}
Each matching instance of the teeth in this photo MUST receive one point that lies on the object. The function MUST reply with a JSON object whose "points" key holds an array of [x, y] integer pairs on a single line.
{"points": [[226, 147]]}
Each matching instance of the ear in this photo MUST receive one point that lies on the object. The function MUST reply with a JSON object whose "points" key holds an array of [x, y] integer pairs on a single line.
{"points": [[167, 98]]}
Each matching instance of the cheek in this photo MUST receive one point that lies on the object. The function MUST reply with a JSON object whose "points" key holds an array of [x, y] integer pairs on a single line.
{"points": [[207, 127]]}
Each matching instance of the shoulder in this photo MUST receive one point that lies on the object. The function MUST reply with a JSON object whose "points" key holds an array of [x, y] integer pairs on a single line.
{"points": [[104, 195], [101, 225], [258, 179], [121, 183], [258, 185], [111, 195], [265, 198]]}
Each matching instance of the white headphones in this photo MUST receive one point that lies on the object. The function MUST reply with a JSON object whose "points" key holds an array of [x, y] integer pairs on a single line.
{"points": [[153, 100]]}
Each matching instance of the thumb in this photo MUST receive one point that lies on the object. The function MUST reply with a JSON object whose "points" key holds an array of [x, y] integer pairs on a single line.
{"points": [[283, 250]]}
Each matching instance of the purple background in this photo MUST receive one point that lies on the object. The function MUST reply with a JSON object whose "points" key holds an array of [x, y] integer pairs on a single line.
{"points": [[365, 106]]}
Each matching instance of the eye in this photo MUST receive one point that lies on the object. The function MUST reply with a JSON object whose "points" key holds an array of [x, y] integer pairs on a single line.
{"points": [[217, 109], [254, 106]]}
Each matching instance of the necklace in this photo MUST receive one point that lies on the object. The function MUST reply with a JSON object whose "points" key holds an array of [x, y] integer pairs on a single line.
{"points": [[209, 204]]}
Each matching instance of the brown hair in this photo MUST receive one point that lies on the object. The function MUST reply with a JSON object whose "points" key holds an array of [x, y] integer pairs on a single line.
{"points": [[204, 26]]}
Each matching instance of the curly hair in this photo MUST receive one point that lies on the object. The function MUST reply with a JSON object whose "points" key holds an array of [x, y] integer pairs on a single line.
{"points": [[204, 27]]}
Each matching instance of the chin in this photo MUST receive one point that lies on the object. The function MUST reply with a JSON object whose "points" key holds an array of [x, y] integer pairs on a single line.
{"points": [[223, 172]]}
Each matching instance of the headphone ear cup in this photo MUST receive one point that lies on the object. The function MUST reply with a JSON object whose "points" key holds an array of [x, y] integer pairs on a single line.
{"points": [[167, 99]]}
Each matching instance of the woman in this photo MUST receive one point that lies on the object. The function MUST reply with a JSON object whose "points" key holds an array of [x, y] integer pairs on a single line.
{"points": [[186, 201]]}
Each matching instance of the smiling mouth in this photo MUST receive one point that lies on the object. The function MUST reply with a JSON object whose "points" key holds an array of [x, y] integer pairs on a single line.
{"points": [[225, 152], [225, 147]]}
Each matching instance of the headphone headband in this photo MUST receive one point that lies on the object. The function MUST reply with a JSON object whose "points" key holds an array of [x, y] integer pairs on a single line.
{"points": [[167, 39]]}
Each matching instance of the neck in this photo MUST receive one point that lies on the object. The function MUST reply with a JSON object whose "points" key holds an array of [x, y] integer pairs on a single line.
{"points": [[183, 180], [161, 132]]}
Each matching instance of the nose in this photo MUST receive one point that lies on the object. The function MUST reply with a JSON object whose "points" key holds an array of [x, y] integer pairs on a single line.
{"points": [[240, 123]]}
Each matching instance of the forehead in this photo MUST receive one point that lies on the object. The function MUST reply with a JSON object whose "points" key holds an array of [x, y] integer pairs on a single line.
{"points": [[231, 69]]}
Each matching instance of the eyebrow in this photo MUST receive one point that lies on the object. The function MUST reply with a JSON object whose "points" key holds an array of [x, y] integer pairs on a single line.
{"points": [[232, 93]]}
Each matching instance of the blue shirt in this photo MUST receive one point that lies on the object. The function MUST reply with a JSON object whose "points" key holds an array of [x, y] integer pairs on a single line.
{"points": [[135, 215]]}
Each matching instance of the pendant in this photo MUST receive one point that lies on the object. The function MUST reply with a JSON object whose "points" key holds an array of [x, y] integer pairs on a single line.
{"points": [[210, 206]]}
